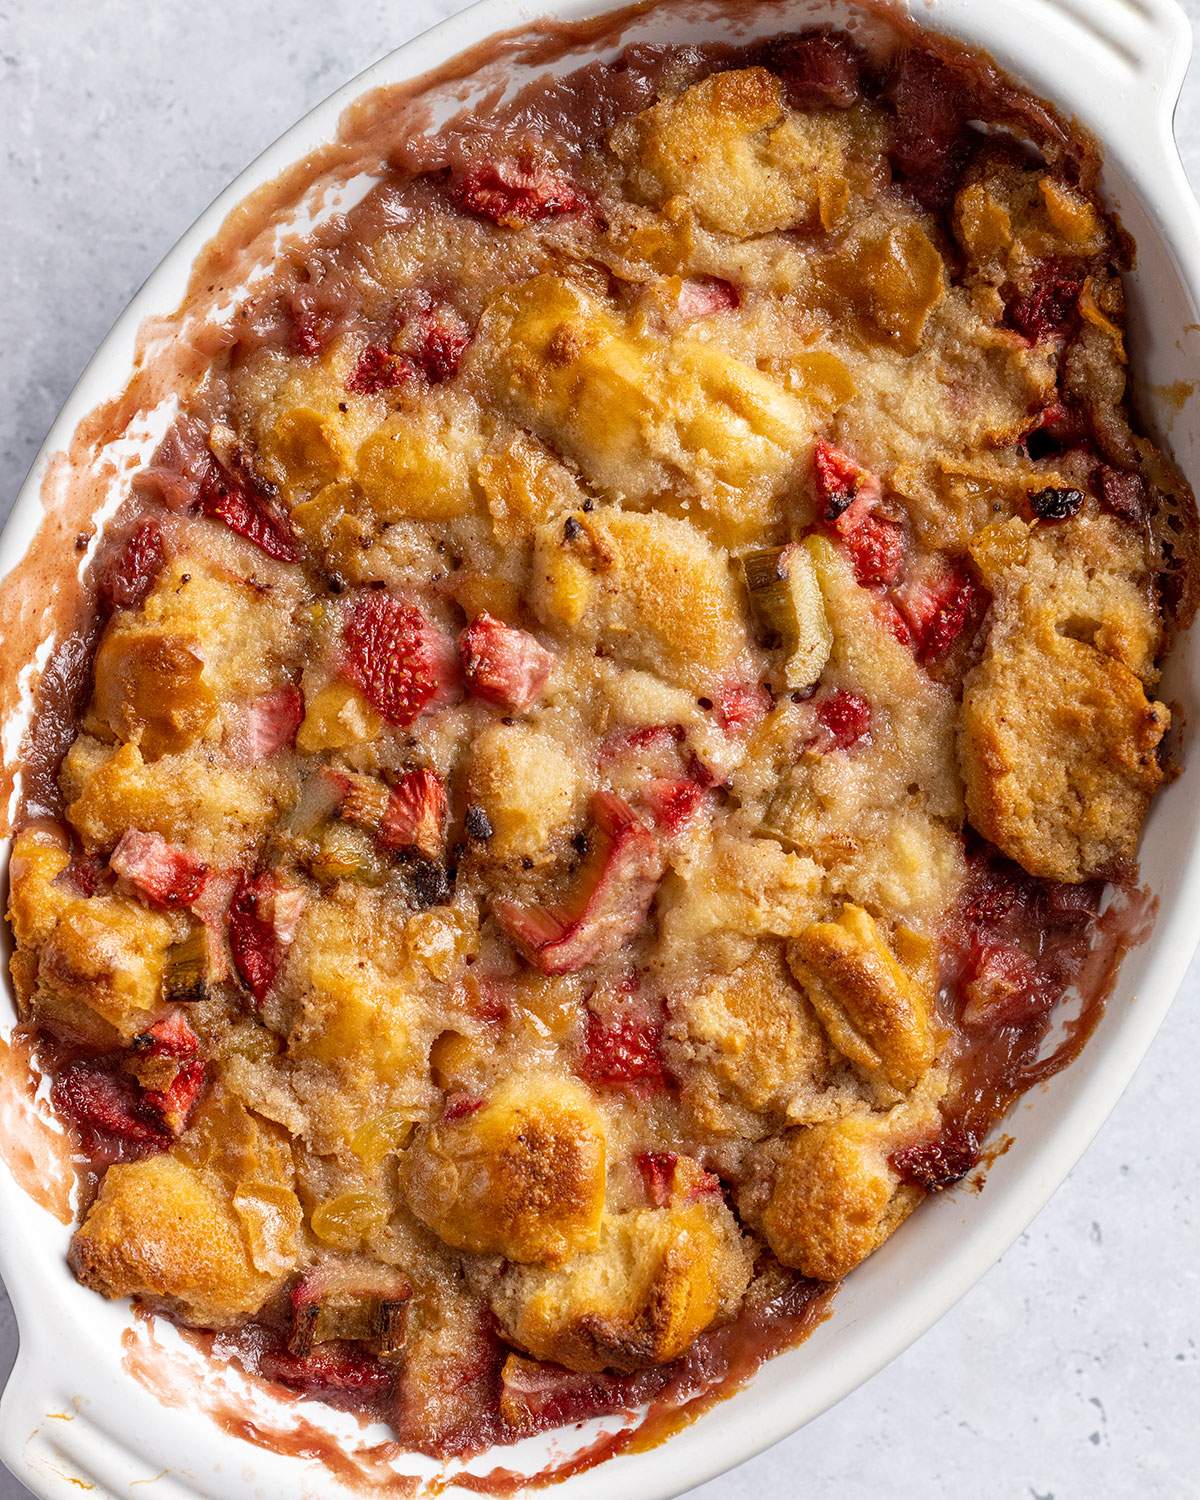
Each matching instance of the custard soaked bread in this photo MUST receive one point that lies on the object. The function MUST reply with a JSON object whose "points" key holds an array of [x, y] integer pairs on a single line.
{"points": [[612, 712]]}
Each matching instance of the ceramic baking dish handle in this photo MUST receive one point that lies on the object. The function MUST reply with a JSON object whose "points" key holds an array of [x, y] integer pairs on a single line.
{"points": [[1135, 52]]}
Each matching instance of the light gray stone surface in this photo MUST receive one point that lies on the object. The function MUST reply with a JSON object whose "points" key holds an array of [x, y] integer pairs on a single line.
{"points": [[1072, 1372]]}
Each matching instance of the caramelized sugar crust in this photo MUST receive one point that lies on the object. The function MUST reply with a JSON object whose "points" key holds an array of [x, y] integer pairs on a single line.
{"points": [[613, 713]]}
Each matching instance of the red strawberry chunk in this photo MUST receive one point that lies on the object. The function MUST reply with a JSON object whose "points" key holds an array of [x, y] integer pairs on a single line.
{"points": [[818, 71], [459, 1106], [929, 142], [613, 892], [622, 1049], [514, 193], [503, 665], [177, 1101], [266, 724], [415, 816], [939, 607], [263, 917], [1005, 987], [658, 1175], [104, 1103], [938, 1163], [1048, 308], [132, 574], [163, 873], [876, 548], [230, 500], [442, 339], [330, 1368], [170, 1037], [845, 717], [673, 803], [378, 369], [701, 296], [395, 655], [846, 492], [741, 705]]}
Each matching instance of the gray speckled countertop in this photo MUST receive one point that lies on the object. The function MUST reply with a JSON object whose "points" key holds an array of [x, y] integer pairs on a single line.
{"points": [[1072, 1371]]}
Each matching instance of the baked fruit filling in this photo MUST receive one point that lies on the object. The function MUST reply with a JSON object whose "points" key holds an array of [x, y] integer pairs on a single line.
{"points": [[611, 719]]}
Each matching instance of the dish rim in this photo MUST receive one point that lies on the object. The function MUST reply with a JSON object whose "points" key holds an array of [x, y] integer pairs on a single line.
{"points": [[1141, 140]]}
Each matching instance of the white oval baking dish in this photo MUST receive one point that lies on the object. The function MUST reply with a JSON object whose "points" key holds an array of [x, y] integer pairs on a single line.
{"points": [[72, 1413]]}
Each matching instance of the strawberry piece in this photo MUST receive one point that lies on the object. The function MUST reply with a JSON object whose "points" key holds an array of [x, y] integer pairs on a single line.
{"points": [[161, 872], [845, 717], [503, 665], [876, 548], [846, 492], [658, 1175], [263, 918], [266, 724], [231, 501], [701, 296], [105, 1104], [170, 1037], [1048, 309], [332, 1368], [741, 705], [703, 1185], [177, 1101], [622, 1049], [442, 339], [930, 144], [1005, 987], [938, 1163], [378, 369], [938, 608], [415, 816], [133, 572], [515, 193], [459, 1106], [613, 893], [399, 660], [818, 71], [673, 803]]}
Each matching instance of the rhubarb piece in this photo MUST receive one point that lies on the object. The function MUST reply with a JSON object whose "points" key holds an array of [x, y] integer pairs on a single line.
{"points": [[320, 797], [164, 874], [845, 717], [177, 1100], [179, 465], [365, 801], [415, 815], [657, 1169], [330, 1370], [336, 1301], [105, 1105], [249, 513], [346, 853], [1005, 987], [263, 917], [536, 1395], [613, 892], [622, 1049], [786, 601], [402, 664], [266, 724], [503, 665], [515, 192], [1124, 494], [132, 573]]}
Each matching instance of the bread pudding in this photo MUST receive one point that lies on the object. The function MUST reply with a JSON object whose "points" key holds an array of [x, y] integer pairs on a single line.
{"points": [[612, 723]]}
